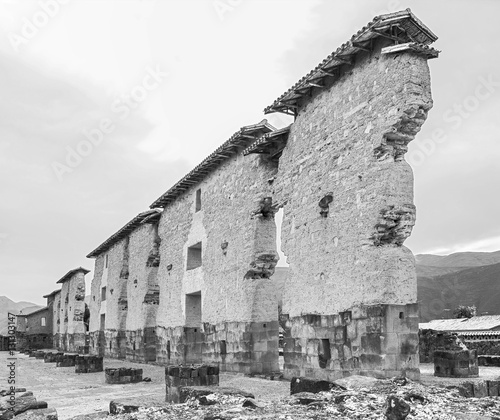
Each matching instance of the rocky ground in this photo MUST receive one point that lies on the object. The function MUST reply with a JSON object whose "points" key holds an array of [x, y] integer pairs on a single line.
{"points": [[76, 394]]}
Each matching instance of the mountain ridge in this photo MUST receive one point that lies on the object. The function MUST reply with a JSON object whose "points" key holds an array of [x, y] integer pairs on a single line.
{"points": [[7, 305]]}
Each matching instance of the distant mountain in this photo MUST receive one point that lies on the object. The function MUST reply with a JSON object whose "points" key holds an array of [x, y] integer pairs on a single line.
{"points": [[7, 305], [464, 278], [459, 259]]}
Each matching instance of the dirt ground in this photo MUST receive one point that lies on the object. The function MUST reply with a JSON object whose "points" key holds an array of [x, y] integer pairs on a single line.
{"points": [[73, 394]]}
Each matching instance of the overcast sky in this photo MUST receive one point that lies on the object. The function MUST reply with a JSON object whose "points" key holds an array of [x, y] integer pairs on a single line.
{"points": [[105, 104]]}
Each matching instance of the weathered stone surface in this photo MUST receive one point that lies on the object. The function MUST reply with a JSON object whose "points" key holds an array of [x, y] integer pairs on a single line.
{"points": [[91, 416], [123, 375], [251, 403], [122, 407], [88, 364], [196, 392], [39, 414], [306, 398], [396, 408], [310, 385]]}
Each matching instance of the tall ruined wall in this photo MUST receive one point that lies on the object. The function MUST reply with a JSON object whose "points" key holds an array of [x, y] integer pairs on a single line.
{"points": [[347, 194], [131, 297], [97, 307], [71, 327], [95, 294], [57, 319], [230, 291], [143, 293]]}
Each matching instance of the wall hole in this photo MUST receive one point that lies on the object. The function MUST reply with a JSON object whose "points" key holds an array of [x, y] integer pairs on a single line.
{"points": [[194, 256], [324, 355], [198, 200], [223, 348]]}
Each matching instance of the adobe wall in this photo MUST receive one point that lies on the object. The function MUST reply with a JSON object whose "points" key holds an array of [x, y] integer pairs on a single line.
{"points": [[72, 329], [56, 321], [239, 311], [143, 293], [349, 142], [132, 296]]}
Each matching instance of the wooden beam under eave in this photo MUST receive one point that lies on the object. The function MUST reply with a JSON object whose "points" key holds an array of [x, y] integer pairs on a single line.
{"points": [[342, 60], [389, 36], [360, 47]]}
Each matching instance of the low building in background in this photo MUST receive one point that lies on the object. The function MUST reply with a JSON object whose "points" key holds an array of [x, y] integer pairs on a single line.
{"points": [[34, 328], [480, 333]]}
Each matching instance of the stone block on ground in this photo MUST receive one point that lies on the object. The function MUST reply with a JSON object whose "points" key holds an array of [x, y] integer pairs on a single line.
{"points": [[122, 407], [39, 414], [91, 416], [305, 398], [123, 375], [299, 384], [65, 360], [88, 364], [177, 376], [396, 408], [130, 405], [187, 392]]}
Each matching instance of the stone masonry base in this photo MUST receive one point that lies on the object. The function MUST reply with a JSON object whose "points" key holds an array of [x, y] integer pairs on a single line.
{"points": [[244, 347], [379, 341]]}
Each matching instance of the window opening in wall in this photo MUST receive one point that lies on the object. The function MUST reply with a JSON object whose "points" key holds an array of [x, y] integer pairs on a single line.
{"points": [[324, 355], [103, 293], [168, 349], [43, 321], [401, 315], [198, 200], [193, 310], [103, 322], [223, 348], [194, 257], [106, 261]]}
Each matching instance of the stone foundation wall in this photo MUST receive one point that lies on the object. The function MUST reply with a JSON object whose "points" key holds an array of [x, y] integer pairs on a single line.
{"points": [[71, 342], [177, 377], [234, 346], [123, 375], [456, 363], [88, 364], [377, 340], [141, 345]]}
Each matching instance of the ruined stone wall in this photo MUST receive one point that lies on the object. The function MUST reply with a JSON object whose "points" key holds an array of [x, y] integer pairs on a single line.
{"points": [[132, 296], [72, 329], [112, 303], [57, 319], [235, 225], [96, 345], [347, 194], [143, 292]]}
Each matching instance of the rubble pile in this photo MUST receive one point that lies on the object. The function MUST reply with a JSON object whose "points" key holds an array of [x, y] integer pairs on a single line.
{"points": [[394, 399], [22, 405]]}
